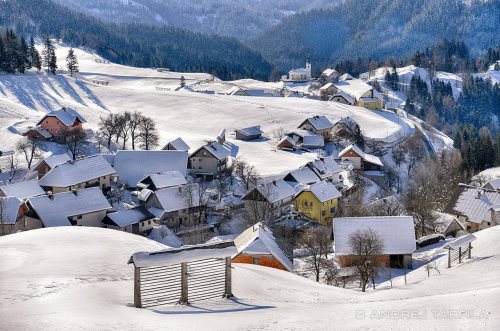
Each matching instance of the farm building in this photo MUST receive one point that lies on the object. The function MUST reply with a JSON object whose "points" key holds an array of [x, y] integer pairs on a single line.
{"points": [[162, 180], [304, 176], [56, 122], [11, 215], [319, 125], [447, 225], [137, 220], [209, 160], [249, 133], [359, 159], [396, 232], [176, 145], [22, 190], [257, 245], [47, 164]]}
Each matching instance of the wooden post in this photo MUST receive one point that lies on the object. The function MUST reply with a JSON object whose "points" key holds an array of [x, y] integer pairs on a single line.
{"points": [[449, 257], [470, 248], [228, 293], [460, 254], [137, 287], [184, 284]]}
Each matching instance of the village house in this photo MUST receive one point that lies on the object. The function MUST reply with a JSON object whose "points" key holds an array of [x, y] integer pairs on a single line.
{"points": [[47, 164], [330, 75], [360, 160], [37, 133], [136, 220], [176, 206], [257, 245], [176, 145], [447, 225], [304, 139], [287, 144], [209, 160], [358, 93], [326, 169], [493, 184], [397, 234], [327, 90], [268, 201], [22, 190], [319, 125], [476, 207], [133, 166], [318, 202], [11, 215], [162, 180], [56, 122], [304, 176], [92, 171], [301, 74], [87, 207], [249, 133], [345, 127]]}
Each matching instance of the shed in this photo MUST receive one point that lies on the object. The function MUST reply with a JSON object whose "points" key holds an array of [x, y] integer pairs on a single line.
{"points": [[176, 145], [249, 133]]}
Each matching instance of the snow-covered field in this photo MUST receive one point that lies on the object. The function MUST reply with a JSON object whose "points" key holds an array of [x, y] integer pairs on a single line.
{"points": [[78, 278], [195, 117]]}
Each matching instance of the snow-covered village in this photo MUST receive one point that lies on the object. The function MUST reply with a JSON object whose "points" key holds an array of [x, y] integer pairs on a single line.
{"points": [[164, 173]]}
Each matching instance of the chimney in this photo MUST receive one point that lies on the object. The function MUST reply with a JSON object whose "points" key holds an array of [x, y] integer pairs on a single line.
{"points": [[478, 194]]}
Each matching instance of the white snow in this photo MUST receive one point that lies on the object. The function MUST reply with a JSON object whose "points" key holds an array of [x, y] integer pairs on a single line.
{"points": [[22, 190], [79, 277]]}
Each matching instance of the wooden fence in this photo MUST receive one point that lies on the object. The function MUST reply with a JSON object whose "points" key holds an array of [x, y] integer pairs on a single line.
{"points": [[460, 249]]}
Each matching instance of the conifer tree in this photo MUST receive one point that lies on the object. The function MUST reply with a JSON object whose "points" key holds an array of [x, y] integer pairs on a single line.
{"points": [[23, 60], [72, 62], [49, 60]]}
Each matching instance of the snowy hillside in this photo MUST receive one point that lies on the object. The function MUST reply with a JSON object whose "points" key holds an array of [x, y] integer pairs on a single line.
{"points": [[78, 278], [195, 117]]}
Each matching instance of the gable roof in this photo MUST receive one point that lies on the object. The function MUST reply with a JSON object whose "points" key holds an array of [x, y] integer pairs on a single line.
{"points": [[127, 217], [38, 129], [302, 176], [346, 76], [444, 220], [494, 184], [273, 191], [22, 190], [258, 240], [318, 122], [176, 198], [365, 156], [54, 160], [75, 172], [132, 166], [397, 233], [66, 116], [325, 167], [329, 71], [56, 210], [350, 123], [323, 191], [326, 86], [178, 144], [250, 131], [347, 97], [217, 150], [354, 87], [474, 203], [9, 209], [165, 179]]}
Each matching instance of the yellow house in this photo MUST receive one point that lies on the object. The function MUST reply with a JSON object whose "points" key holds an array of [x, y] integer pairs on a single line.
{"points": [[359, 93], [318, 202], [370, 103]]}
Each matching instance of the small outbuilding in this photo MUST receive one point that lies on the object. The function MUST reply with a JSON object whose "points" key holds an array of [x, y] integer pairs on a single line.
{"points": [[137, 220], [249, 133]]}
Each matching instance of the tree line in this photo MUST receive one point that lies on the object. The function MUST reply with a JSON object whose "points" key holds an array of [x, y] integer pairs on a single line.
{"points": [[17, 54], [129, 128]]}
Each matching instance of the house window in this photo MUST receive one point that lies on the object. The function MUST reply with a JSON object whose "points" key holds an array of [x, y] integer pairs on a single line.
{"points": [[311, 204], [332, 210], [305, 203], [199, 160], [79, 217], [489, 223], [323, 212], [149, 222], [46, 121]]}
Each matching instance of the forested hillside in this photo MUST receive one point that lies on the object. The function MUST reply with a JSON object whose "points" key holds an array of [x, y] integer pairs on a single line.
{"points": [[134, 44], [239, 19], [377, 29]]}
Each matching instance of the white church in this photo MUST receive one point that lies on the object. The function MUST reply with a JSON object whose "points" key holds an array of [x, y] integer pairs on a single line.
{"points": [[301, 74]]}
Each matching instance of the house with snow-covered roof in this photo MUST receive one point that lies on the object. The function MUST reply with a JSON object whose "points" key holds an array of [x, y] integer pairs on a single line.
{"points": [[86, 207], [326, 169], [56, 122], [92, 171], [318, 202], [304, 176], [305, 139], [300, 74], [397, 234], [209, 160], [47, 164], [11, 215], [162, 180], [493, 184], [177, 206], [257, 245], [345, 127], [249, 133], [319, 125], [358, 93], [37, 132], [359, 159], [132, 166], [476, 207], [22, 190], [268, 200], [330, 75], [447, 224], [176, 145], [137, 220]]}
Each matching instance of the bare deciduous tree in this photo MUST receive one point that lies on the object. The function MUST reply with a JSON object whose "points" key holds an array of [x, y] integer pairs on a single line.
{"points": [[317, 245], [431, 266], [366, 246], [246, 173], [123, 125], [415, 149], [135, 120], [29, 147], [108, 128], [279, 133], [148, 134], [73, 139]]}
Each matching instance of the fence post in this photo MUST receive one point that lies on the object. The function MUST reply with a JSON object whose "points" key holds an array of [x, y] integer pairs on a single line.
{"points": [[228, 293], [470, 248], [460, 254], [449, 257], [137, 287], [184, 284]]}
